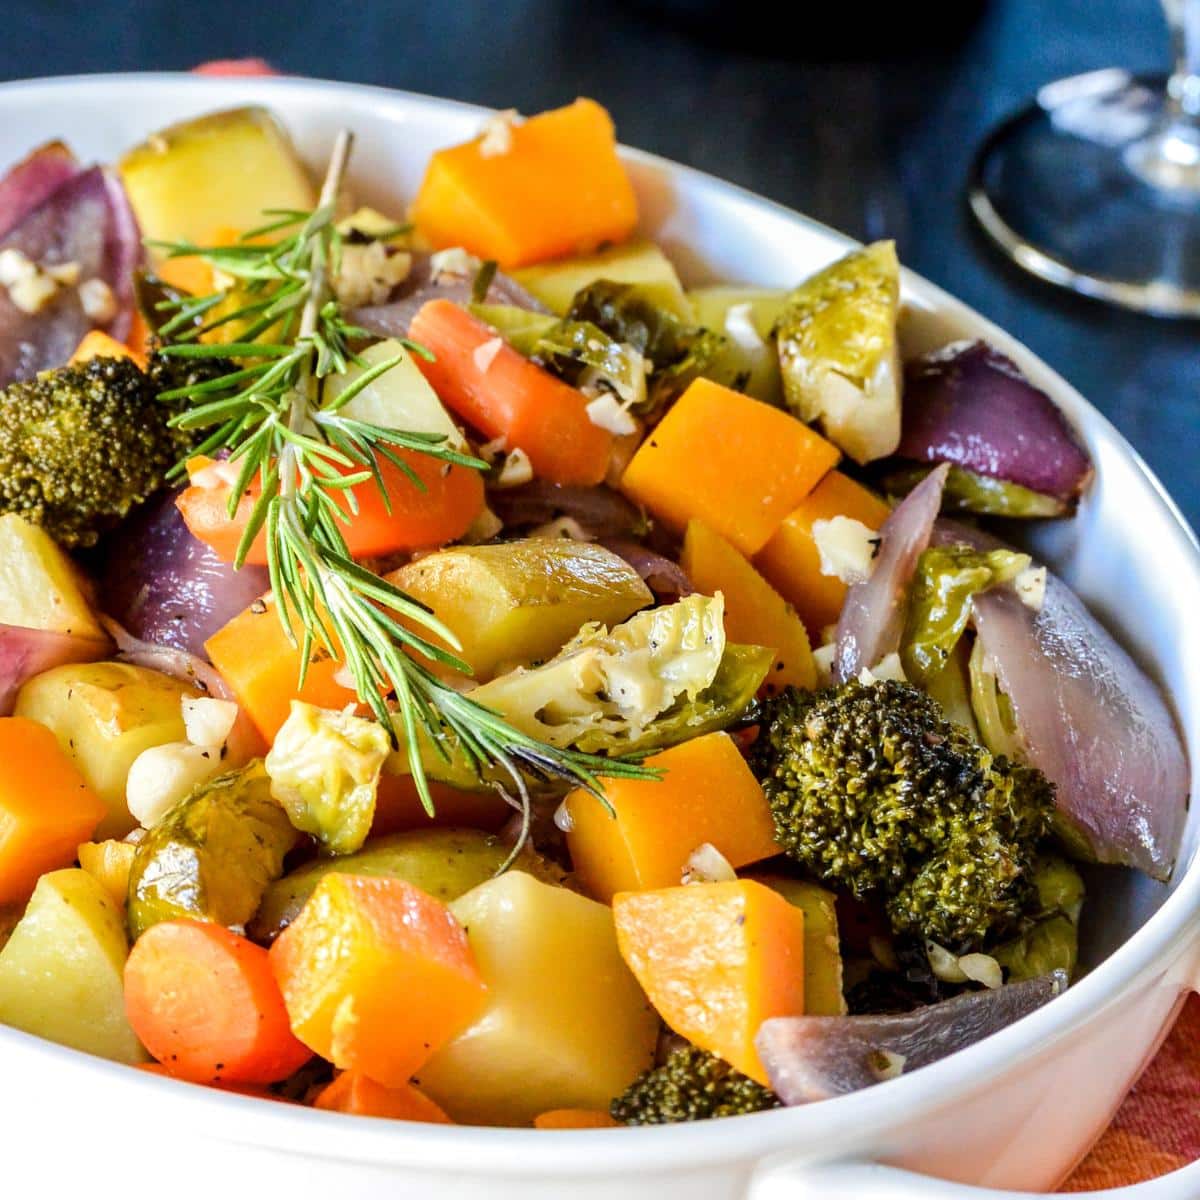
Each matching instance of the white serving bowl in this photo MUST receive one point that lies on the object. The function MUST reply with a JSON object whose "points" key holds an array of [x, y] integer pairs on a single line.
{"points": [[1016, 1111]]}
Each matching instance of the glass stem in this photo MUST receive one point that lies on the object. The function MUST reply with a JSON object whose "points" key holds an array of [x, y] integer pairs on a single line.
{"points": [[1183, 88]]}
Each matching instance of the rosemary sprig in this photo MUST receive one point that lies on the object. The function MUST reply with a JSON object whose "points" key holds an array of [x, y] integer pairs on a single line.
{"points": [[294, 444]]}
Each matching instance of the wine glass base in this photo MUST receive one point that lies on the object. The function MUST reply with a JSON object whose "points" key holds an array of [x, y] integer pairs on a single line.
{"points": [[1095, 187]]}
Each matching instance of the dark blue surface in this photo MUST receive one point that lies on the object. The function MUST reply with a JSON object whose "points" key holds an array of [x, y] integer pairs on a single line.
{"points": [[873, 148]]}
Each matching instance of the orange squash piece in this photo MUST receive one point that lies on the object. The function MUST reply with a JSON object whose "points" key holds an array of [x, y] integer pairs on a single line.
{"points": [[790, 560], [98, 344], [716, 960], [376, 975], [545, 188], [575, 1118], [736, 464], [353, 1092], [46, 808], [755, 613], [254, 656], [707, 794]]}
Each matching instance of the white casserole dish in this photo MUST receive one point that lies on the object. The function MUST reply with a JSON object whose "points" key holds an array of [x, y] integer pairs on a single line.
{"points": [[1017, 1111]]}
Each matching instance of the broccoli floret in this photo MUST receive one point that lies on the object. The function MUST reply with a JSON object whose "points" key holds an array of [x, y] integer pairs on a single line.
{"points": [[873, 790], [692, 1085], [81, 445]]}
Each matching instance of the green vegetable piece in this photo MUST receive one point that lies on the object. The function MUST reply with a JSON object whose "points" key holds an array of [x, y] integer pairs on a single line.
{"points": [[748, 361], [1052, 942], [324, 768], [967, 492], [446, 863], [213, 855], [939, 602], [838, 351]]}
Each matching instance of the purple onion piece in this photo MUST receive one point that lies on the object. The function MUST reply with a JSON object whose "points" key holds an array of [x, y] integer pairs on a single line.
{"points": [[167, 587], [817, 1058], [663, 576], [25, 653], [82, 222], [872, 617], [393, 318], [970, 406], [600, 511], [34, 180], [1092, 721]]}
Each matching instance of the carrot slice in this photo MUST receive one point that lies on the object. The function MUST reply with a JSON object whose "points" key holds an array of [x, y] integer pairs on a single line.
{"points": [[46, 807], [438, 511], [376, 975], [354, 1092], [504, 395], [204, 1002], [98, 344]]}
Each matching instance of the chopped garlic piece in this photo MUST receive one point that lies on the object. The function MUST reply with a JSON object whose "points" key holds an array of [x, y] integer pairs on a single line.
{"points": [[344, 677], [887, 1064], [454, 261], [32, 293], [208, 721], [563, 527], [14, 266], [490, 451], [65, 273], [1030, 586], [98, 301], [563, 821], [846, 547], [823, 657], [161, 776], [496, 135], [706, 864], [367, 273], [517, 469], [485, 527], [607, 412], [485, 354], [890, 667], [973, 968]]}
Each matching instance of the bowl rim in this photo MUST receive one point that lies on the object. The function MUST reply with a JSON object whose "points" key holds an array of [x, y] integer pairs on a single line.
{"points": [[1161, 942]]}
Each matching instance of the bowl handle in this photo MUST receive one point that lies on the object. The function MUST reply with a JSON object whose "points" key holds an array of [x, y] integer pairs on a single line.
{"points": [[795, 1180]]}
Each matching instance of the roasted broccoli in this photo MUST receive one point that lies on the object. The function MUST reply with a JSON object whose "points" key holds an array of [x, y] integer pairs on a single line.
{"points": [[692, 1085], [81, 445], [873, 790]]}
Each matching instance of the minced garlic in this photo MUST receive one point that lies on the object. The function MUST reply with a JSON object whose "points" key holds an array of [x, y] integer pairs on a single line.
{"points": [[367, 273], [98, 301], [497, 133]]}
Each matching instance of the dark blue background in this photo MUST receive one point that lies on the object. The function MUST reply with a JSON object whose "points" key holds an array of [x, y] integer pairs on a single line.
{"points": [[875, 148]]}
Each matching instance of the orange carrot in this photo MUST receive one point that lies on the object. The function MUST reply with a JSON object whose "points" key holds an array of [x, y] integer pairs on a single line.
{"points": [[707, 794], [550, 186], [376, 975], [420, 517], [254, 656], [353, 1092], [574, 1118], [97, 344], [732, 462], [716, 960], [46, 808], [504, 395], [242, 1089], [203, 1001]]}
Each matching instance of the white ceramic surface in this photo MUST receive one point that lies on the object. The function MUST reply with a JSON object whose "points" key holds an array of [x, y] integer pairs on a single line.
{"points": [[1016, 1112]]}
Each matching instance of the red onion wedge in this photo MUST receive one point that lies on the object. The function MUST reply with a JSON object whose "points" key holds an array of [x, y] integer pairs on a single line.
{"points": [[34, 180], [817, 1058], [25, 653], [600, 511], [85, 222], [1093, 722], [970, 406], [663, 576], [872, 617], [392, 319], [167, 587]]}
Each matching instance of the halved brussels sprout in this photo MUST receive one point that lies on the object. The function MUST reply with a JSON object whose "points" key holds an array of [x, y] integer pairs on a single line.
{"points": [[967, 492]]}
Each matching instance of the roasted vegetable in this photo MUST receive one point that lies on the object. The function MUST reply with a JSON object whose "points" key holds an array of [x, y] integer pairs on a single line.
{"points": [[838, 352], [874, 791], [324, 768], [213, 855], [443, 862], [747, 361], [1051, 943], [822, 955], [60, 970], [967, 492], [692, 1085], [80, 446]]}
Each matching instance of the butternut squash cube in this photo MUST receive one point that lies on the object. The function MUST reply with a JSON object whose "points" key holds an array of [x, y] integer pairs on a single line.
{"points": [[707, 794]]}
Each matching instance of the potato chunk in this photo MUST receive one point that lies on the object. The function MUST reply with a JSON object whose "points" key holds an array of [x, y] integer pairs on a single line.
{"points": [[39, 587], [104, 715], [517, 602], [565, 1026], [61, 970]]}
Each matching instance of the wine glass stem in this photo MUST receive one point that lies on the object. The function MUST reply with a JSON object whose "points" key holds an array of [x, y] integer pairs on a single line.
{"points": [[1183, 88]]}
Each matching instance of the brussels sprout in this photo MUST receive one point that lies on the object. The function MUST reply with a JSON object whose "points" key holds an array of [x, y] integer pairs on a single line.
{"points": [[1052, 943], [838, 352], [213, 855], [939, 602], [967, 492], [446, 863], [324, 768]]}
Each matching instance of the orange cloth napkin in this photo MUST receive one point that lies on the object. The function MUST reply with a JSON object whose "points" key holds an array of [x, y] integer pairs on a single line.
{"points": [[1158, 1127]]}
